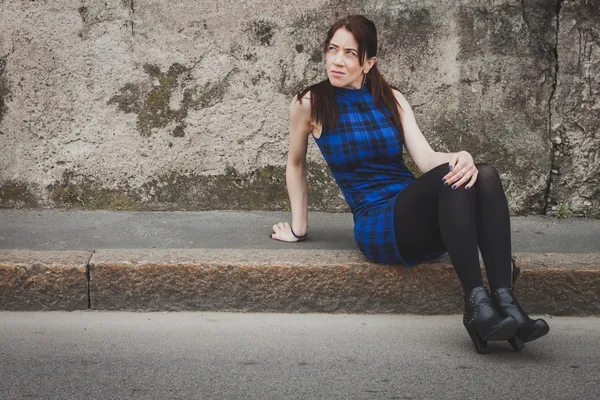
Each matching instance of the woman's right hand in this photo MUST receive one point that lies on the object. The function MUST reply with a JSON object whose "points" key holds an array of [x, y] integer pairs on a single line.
{"points": [[283, 232]]}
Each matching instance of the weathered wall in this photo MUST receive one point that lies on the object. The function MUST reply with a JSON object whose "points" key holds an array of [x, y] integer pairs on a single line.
{"points": [[118, 104], [575, 109]]}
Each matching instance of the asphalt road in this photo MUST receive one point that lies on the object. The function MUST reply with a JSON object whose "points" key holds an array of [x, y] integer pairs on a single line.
{"points": [[202, 355]]}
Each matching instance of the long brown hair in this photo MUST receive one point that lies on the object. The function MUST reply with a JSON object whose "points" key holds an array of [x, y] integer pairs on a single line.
{"points": [[323, 107]]}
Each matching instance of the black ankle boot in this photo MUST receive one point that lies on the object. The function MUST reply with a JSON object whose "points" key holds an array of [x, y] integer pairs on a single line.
{"points": [[483, 322], [506, 303]]}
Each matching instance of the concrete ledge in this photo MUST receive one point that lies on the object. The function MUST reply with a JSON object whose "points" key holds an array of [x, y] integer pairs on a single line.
{"points": [[331, 281], [43, 280], [323, 281]]}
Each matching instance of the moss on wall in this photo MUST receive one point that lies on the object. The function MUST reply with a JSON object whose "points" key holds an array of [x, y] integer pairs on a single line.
{"points": [[150, 100], [15, 194], [262, 189], [77, 191], [152, 105]]}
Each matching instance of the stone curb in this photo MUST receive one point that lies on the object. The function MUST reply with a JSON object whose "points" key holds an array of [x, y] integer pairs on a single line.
{"points": [[44, 280], [330, 281]]}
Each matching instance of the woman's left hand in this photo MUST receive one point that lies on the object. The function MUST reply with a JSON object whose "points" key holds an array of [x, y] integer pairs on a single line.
{"points": [[463, 170]]}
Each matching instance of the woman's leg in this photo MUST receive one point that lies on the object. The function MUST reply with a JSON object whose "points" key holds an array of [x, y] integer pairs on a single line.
{"points": [[430, 217], [493, 227], [493, 230]]}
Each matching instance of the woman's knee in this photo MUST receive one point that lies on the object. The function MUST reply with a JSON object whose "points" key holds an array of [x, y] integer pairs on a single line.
{"points": [[486, 172], [441, 170]]}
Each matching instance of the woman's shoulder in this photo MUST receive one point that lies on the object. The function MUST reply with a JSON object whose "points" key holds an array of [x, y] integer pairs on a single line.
{"points": [[396, 92], [399, 97], [300, 106], [302, 103], [301, 112]]}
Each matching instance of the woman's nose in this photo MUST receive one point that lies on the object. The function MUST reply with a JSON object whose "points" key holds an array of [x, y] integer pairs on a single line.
{"points": [[337, 59]]}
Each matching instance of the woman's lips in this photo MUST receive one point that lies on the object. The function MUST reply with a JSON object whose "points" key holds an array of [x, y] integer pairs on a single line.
{"points": [[335, 73]]}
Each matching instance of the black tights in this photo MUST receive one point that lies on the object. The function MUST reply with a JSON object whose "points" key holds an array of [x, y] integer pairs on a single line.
{"points": [[431, 217]]}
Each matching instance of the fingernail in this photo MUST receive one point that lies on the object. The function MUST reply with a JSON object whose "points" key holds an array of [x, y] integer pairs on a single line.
{"points": [[271, 235], [450, 167], [444, 180], [467, 188], [445, 183], [453, 186]]}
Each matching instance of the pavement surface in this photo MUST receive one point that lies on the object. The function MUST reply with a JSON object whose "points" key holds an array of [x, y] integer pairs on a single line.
{"points": [[225, 261], [204, 355], [90, 230]]}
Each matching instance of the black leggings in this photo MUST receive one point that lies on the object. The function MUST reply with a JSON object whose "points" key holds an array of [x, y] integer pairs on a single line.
{"points": [[431, 217]]}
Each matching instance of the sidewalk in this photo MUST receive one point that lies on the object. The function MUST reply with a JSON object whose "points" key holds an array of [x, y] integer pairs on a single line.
{"points": [[225, 261]]}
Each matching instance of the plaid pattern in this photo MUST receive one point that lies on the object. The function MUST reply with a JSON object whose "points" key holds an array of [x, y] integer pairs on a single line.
{"points": [[364, 154]]}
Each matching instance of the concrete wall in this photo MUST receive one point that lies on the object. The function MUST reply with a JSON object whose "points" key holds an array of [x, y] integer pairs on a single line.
{"points": [[122, 104]]}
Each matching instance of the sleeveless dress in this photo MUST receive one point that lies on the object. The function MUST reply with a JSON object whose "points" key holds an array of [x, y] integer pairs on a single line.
{"points": [[364, 154]]}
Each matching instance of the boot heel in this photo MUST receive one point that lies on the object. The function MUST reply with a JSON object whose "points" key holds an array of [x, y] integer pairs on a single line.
{"points": [[516, 343], [479, 343], [506, 303]]}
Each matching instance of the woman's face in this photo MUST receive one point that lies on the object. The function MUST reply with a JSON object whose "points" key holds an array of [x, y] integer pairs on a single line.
{"points": [[343, 68]]}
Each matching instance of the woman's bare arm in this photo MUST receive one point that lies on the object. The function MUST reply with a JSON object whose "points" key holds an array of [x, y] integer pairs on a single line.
{"points": [[417, 146], [295, 173]]}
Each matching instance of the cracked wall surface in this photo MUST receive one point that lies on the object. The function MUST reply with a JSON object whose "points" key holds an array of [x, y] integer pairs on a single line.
{"points": [[575, 112], [119, 104]]}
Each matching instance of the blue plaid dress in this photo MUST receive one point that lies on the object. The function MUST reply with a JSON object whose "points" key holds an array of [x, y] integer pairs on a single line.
{"points": [[364, 155]]}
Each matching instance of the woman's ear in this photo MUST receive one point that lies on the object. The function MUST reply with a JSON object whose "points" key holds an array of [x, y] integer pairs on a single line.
{"points": [[369, 64]]}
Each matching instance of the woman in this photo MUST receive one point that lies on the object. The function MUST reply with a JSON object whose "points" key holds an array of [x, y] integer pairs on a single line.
{"points": [[360, 124]]}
